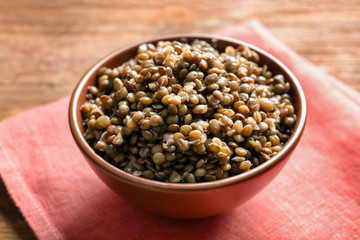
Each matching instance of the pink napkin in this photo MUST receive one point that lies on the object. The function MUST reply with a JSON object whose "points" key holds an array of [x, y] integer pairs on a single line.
{"points": [[316, 196]]}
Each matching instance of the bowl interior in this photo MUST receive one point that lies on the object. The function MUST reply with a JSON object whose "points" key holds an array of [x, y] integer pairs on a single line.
{"points": [[220, 43]]}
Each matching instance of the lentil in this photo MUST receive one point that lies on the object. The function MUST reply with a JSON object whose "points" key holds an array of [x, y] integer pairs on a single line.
{"points": [[185, 113]]}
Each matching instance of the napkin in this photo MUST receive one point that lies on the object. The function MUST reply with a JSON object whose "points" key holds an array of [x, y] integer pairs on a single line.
{"points": [[316, 196]]}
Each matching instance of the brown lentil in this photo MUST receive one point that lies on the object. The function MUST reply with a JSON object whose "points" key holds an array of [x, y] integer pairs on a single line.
{"points": [[190, 178], [200, 172], [156, 120], [185, 113], [195, 135], [159, 158], [200, 109], [245, 165], [102, 122], [247, 130]]}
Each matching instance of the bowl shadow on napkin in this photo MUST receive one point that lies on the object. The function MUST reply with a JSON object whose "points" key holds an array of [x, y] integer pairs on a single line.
{"points": [[112, 217], [11, 215]]}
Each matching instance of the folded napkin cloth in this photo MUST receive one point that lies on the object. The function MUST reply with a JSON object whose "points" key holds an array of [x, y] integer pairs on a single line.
{"points": [[316, 196]]}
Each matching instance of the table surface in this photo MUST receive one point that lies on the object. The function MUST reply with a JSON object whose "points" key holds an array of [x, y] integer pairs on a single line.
{"points": [[46, 46]]}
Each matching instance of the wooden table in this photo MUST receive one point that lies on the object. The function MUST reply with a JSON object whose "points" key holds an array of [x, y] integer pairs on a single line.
{"points": [[45, 46]]}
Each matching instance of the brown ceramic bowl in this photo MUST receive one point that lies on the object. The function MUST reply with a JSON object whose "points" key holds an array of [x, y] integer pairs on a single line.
{"points": [[190, 200]]}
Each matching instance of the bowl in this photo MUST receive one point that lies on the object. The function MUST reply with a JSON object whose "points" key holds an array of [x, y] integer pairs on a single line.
{"points": [[190, 200]]}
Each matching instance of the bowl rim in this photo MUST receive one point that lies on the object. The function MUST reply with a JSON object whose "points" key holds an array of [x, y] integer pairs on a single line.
{"points": [[116, 172]]}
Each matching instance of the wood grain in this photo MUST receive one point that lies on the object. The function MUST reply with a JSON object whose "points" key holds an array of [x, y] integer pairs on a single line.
{"points": [[45, 46]]}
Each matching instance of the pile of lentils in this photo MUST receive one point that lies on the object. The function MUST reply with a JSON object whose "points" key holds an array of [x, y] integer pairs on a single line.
{"points": [[185, 113]]}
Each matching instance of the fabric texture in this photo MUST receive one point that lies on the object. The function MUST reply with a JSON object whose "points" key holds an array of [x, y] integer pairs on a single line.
{"points": [[316, 196]]}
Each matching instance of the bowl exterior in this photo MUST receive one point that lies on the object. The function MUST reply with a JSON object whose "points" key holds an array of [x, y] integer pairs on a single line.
{"points": [[192, 204]]}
